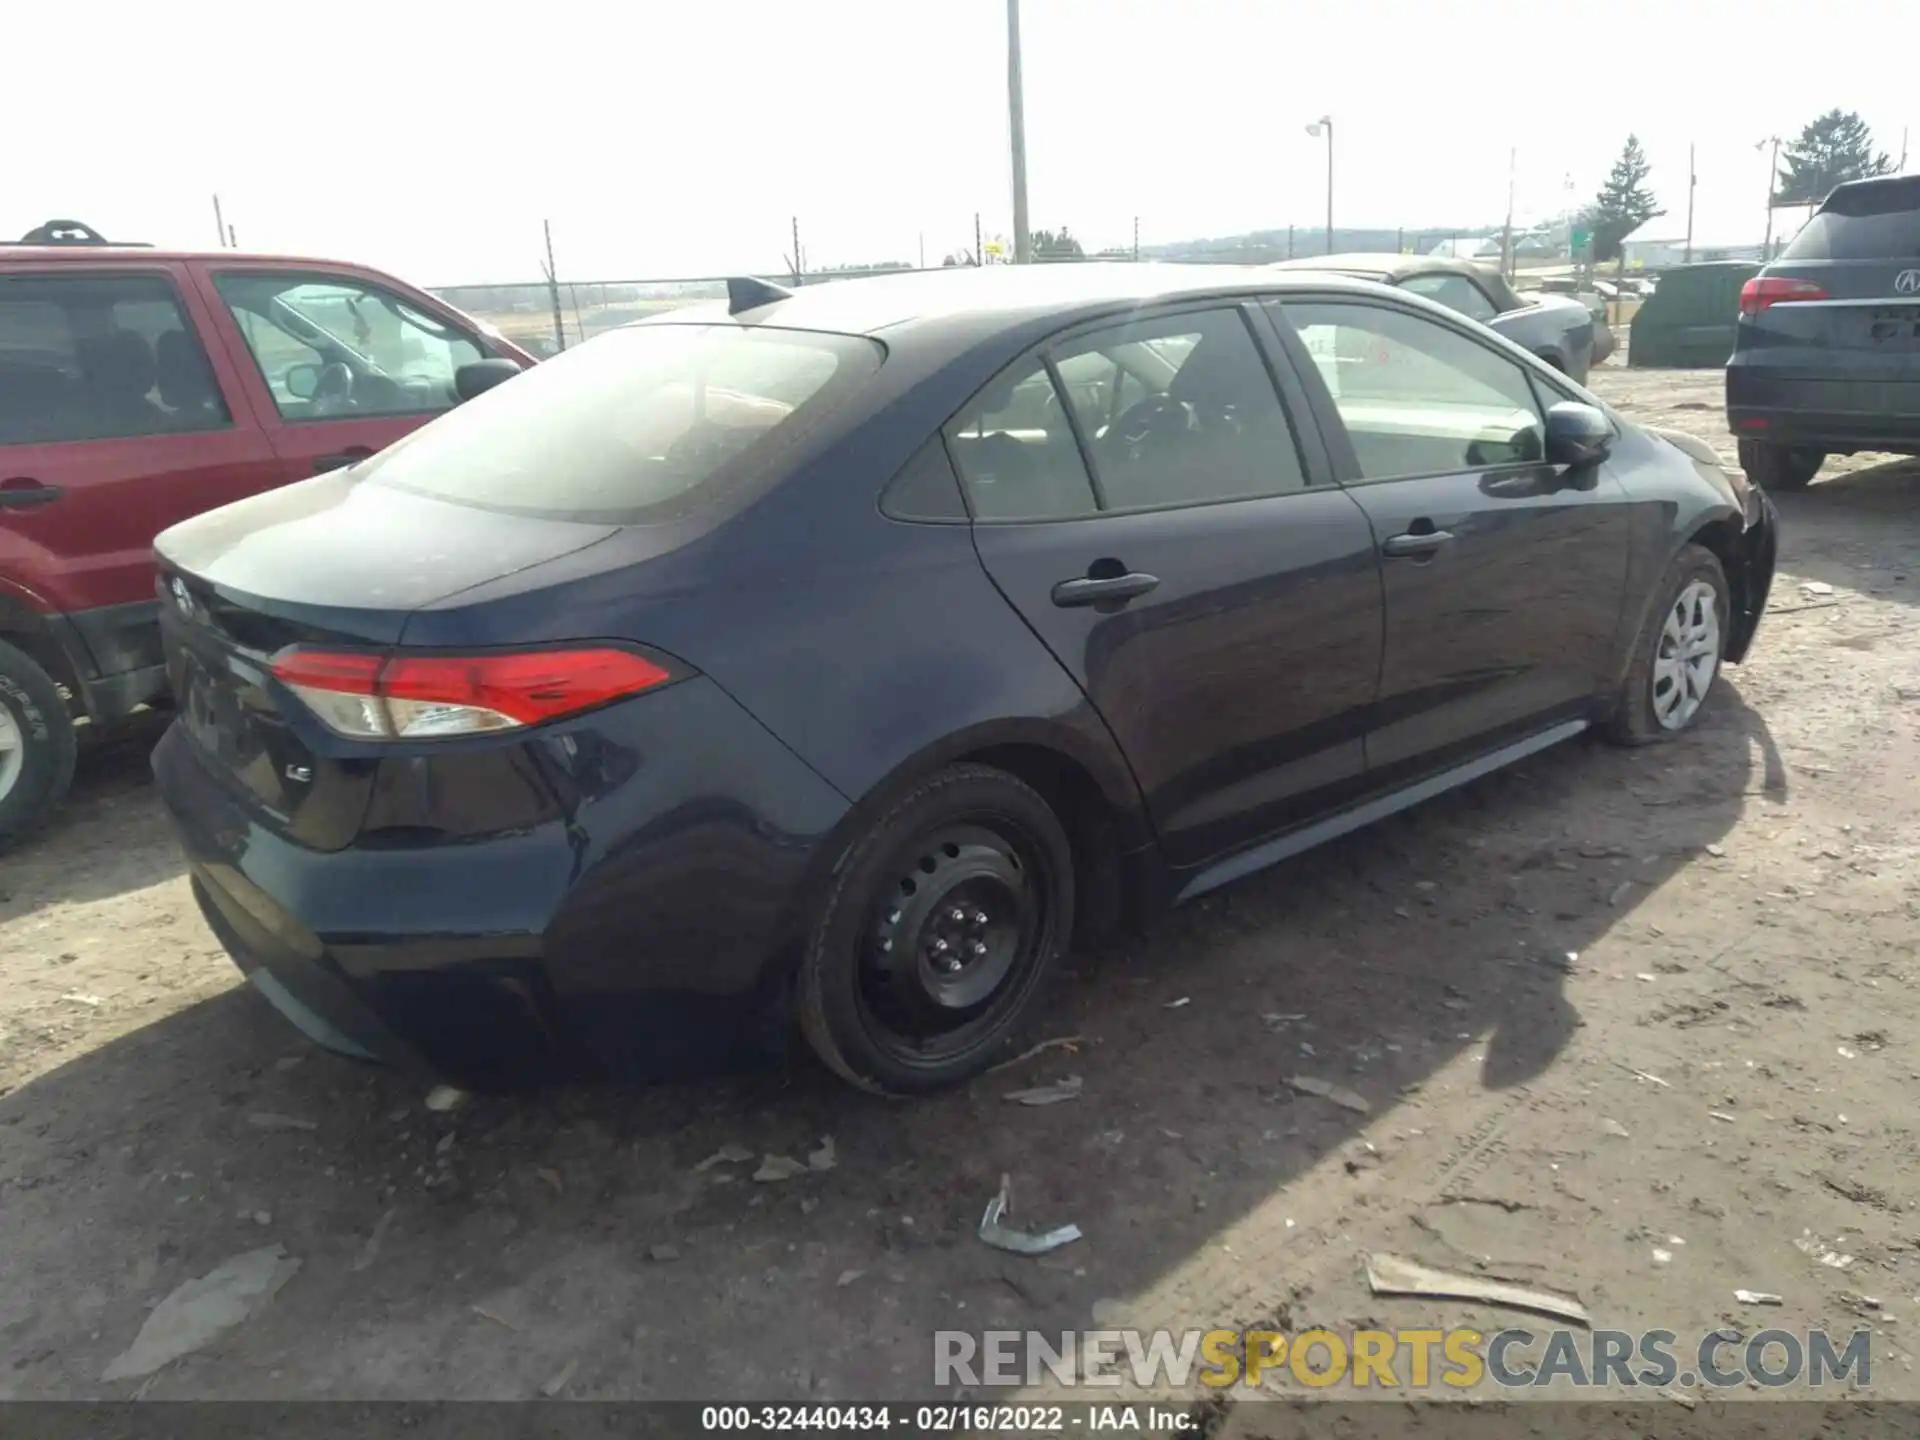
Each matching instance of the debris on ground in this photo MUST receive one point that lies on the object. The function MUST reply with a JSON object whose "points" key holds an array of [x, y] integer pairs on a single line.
{"points": [[1616, 1129], [1339, 1094], [266, 1120], [1280, 1022], [445, 1145], [847, 1277], [728, 1154], [1176, 1004], [201, 1310], [1815, 587], [1620, 892], [1070, 1043], [559, 1382], [1757, 1297], [1811, 1244], [370, 1251], [443, 1098], [1393, 1275], [823, 1158], [1067, 1089], [551, 1179], [485, 1314], [663, 1252], [77, 997], [1019, 1242], [778, 1167], [1721, 1115]]}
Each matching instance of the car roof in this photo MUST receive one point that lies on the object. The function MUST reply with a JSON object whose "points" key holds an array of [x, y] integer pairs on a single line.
{"points": [[13, 252], [970, 299]]}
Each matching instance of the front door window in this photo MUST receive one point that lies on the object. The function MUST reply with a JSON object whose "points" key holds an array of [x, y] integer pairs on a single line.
{"points": [[334, 348]]}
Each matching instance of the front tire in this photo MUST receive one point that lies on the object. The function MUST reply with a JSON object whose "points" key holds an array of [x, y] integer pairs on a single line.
{"points": [[37, 745], [943, 924], [1779, 467], [1676, 656]]}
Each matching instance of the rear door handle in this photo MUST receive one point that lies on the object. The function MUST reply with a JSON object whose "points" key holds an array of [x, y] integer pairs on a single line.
{"points": [[23, 492], [1107, 589], [323, 463], [1400, 546]]}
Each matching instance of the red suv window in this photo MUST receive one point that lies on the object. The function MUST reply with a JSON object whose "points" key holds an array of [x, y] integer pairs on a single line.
{"points": [[96, 357]]}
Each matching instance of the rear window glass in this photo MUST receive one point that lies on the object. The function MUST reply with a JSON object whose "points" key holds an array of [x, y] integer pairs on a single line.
{"points": [[1876, 222], [638, 426]]}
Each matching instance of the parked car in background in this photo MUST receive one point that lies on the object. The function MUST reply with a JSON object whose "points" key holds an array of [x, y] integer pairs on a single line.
{"points": [[1561, 329], [139, 387], [1826, 354], [838, 657]]}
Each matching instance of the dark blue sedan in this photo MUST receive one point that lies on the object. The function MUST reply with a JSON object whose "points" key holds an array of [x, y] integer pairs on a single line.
{"points": [[833, 662]]}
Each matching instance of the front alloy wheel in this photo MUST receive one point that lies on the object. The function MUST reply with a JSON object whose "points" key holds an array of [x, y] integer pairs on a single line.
{"points": [[1688, 655]]}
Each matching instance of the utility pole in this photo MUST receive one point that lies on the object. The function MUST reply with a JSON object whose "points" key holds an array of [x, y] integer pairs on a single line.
{"points": [[553, 289], [1017, 134], [219, 223], [1903, 152], [1773, 180], [1506, 233], [1136, 237], [923, 249], [1692, 180], [233, 241], [979, 252], [1289, 242]]}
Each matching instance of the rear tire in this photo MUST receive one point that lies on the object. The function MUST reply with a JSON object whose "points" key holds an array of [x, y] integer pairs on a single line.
{"points": [[942, 926], [37, 745], [1676, 656], [1779, 467]]}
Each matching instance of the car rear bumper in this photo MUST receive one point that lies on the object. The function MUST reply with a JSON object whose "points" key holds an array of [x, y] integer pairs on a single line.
{"points": [[1823, 413], [634, 936]]}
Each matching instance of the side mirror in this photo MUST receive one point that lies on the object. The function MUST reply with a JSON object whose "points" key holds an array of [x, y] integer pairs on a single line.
{"points": [[1577, 434], [470, 380], [302, 381]]}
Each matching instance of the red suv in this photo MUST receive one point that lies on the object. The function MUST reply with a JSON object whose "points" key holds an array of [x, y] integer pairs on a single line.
{"points": [[139, 387]]}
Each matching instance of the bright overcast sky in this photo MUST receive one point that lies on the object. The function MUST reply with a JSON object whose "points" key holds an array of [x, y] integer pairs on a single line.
{"points": [[670, 139]]}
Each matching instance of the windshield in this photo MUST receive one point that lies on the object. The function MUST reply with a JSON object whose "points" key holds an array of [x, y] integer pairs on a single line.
{"points": [[638, 426]]}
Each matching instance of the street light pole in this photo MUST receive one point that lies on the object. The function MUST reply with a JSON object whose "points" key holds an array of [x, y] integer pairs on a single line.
{"points": [[1017, 135], [1324, 125]]}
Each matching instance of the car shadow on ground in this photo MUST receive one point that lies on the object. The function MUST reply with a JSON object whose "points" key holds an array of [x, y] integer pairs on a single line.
{"points": [[1856, 531], [109, 837], [477, 1253]]}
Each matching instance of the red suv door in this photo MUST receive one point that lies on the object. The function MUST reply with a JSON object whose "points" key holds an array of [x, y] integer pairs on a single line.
{"points": [[338, 361], [116, 421]]}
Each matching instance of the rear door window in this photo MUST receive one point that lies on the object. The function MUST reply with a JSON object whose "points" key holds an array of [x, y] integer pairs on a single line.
{"points": [[98, 357], [640, 425]]}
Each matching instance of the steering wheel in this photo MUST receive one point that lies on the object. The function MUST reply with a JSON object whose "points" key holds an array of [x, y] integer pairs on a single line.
{"points": [[1148, 424], [333, 391]]}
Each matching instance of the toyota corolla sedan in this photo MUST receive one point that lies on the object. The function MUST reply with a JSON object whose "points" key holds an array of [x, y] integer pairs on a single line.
{"points": [[830, 663]]}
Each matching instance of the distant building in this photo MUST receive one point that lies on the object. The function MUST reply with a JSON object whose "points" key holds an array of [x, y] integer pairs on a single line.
{"points": [[1657, 246]]}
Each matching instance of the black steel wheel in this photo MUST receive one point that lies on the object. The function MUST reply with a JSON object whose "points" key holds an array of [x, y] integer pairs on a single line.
{"points": [[944, 922]]}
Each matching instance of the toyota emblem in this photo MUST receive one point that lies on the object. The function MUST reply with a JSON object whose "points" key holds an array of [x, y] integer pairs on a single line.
{"points": [[182, 596], [1907, 282]]}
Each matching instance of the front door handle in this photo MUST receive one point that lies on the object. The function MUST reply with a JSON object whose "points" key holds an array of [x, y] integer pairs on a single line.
{"points": [[353, 456], [1108, 589], [1401, 546], [23, 492]]}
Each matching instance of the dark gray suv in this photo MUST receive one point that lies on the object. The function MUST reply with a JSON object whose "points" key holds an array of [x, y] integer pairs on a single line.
{"points": [[1826, 357]]}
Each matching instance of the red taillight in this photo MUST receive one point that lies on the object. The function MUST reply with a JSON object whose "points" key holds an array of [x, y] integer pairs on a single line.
{"points": [[1764, 290], [367, 697]]}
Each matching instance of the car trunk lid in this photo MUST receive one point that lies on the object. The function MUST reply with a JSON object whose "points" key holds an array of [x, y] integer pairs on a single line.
{"points": [[330, 562]]}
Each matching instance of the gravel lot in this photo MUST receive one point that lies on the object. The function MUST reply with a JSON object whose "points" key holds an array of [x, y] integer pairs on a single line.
{"points": [[1729, 1060]]}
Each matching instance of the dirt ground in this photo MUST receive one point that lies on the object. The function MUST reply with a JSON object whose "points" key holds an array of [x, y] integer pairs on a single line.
{"points": [[1724, 1069]]}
